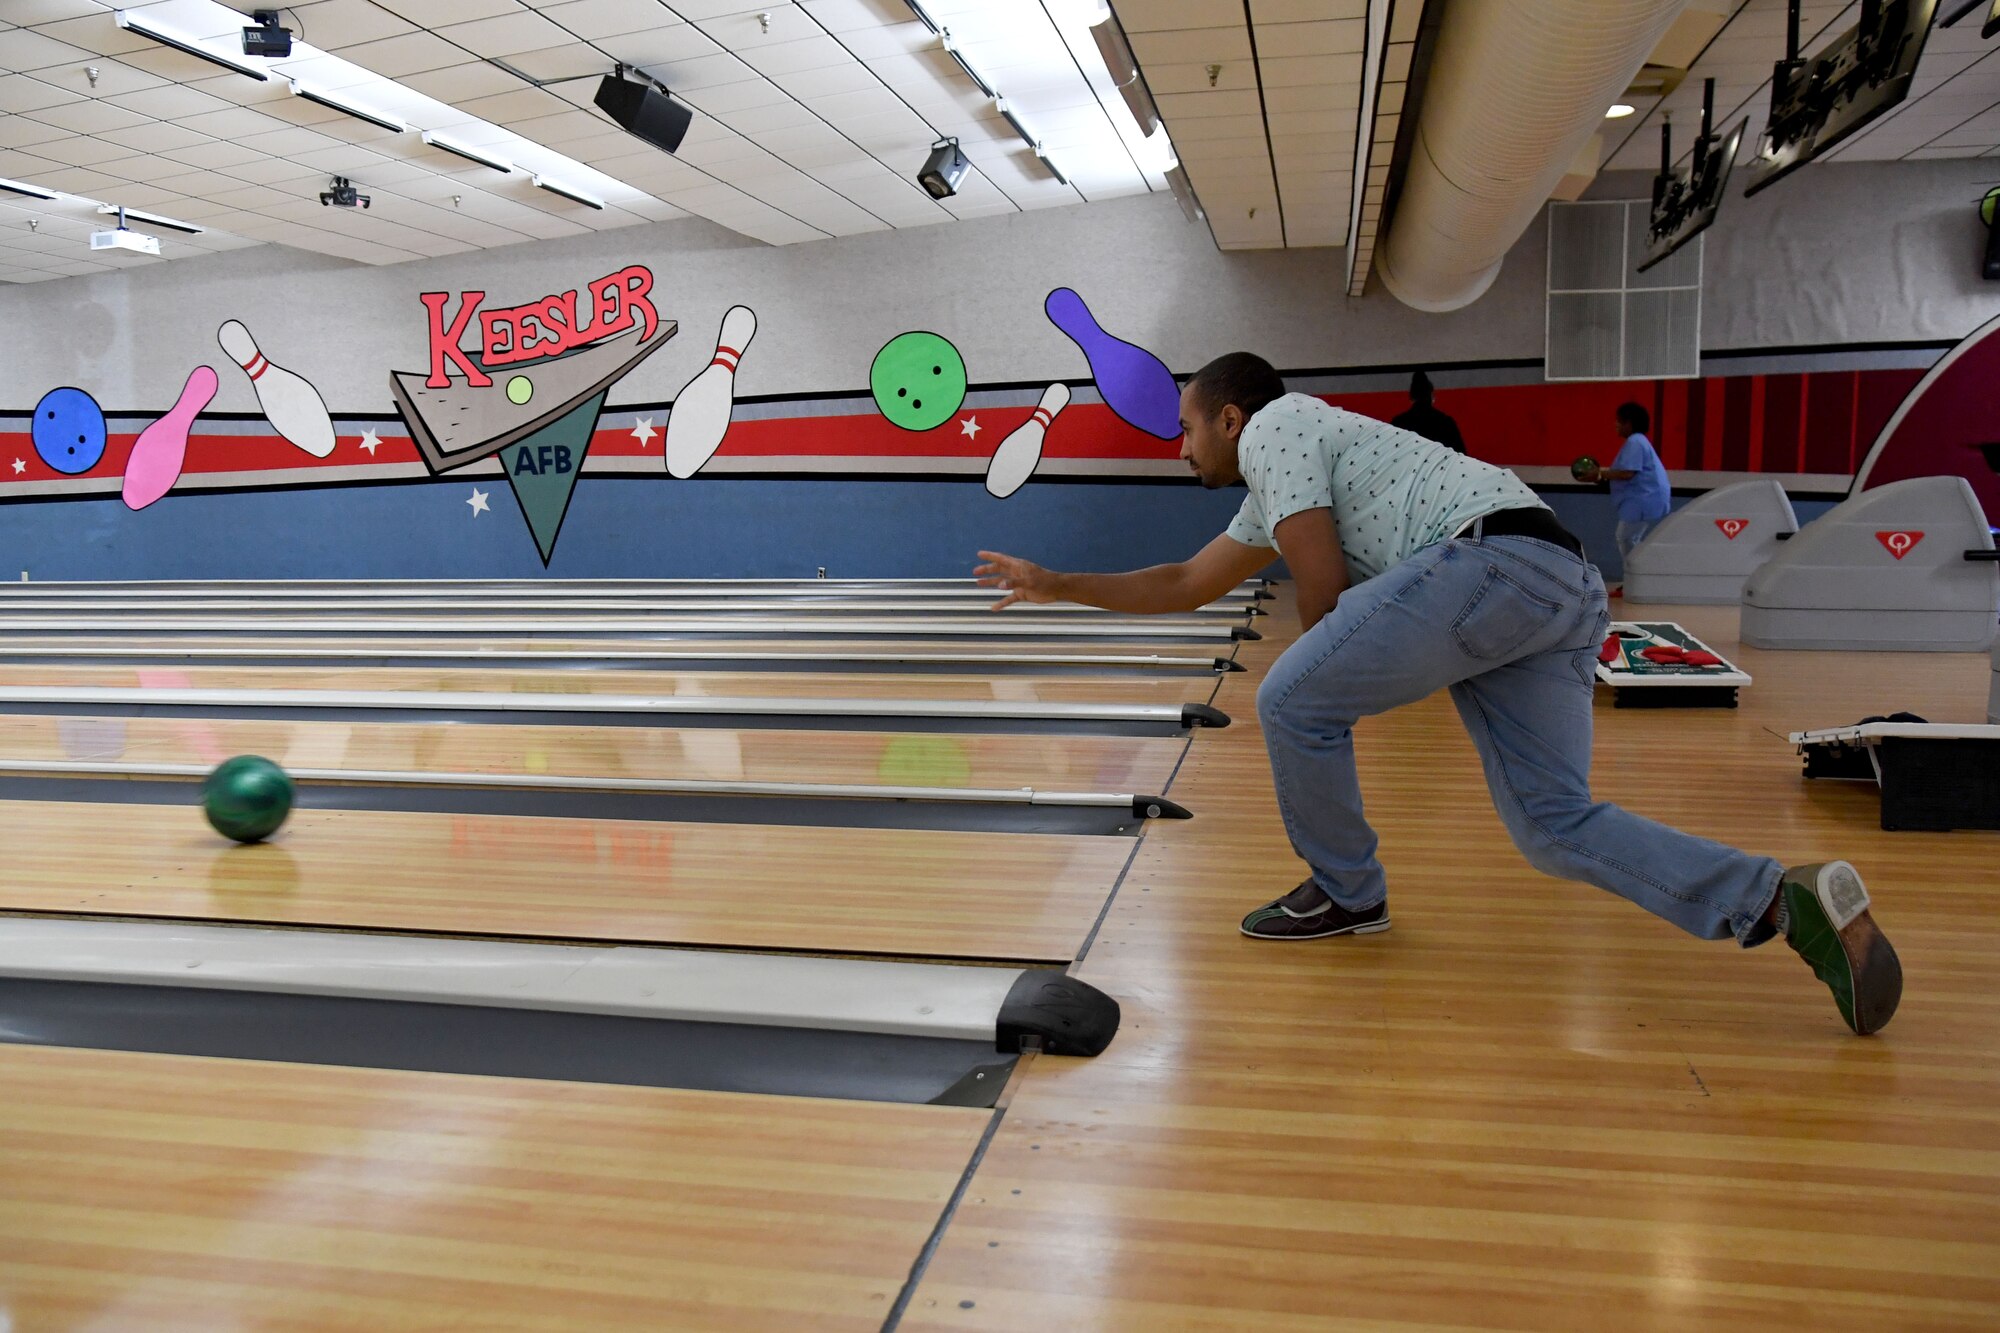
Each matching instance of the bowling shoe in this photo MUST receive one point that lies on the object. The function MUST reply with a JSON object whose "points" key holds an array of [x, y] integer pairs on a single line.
{"points": [[1306, 913], [1824, 908]]}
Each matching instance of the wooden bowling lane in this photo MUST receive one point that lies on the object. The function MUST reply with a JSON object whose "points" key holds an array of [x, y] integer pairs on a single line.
{"points": [[184, 1195], [1099, 660], [974, 626], [901, 892], [394, 604], [1141, 764], [685, 684]]}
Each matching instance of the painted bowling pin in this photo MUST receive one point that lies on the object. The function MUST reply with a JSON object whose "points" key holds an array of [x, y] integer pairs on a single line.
{"points": [[157, 455], [700, 414], [1016, 458], [292, 406], [1133, 382]]}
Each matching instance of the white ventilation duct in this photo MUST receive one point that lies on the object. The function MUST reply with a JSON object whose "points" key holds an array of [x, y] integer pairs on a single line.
{"points": [[1515, 88]]}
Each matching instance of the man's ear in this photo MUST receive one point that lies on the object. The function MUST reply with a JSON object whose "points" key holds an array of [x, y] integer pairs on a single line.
{"points": [[1232, 420]]}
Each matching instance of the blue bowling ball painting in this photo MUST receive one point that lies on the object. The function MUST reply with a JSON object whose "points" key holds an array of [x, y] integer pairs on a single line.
{"points": [[68, 430]]}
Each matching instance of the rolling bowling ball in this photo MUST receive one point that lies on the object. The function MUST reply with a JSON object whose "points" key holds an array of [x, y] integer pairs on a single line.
{"points": [[247, 798], [1583, 467]]}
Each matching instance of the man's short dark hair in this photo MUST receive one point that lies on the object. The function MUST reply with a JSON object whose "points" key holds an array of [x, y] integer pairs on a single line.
{"points": [[1634, 418], [1242, 378], [1420, 388]]}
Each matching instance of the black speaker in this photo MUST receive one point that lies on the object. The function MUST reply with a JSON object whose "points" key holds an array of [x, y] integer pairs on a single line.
{"points": [[645, 111]]}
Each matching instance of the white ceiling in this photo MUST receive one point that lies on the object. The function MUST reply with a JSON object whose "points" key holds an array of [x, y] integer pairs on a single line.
{"points": [[1263, 100], [1953, 109], [812, 125]]}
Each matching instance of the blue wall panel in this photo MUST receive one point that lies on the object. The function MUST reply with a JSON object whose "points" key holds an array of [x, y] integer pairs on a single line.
{"points": [[648, 529]]}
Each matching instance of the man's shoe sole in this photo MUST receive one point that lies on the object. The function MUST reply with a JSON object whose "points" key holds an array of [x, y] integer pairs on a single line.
{"points": [[1831, 929], [1371, 928]]}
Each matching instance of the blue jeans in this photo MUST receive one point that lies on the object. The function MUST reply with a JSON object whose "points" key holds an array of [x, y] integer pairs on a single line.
{"points": [[1511, 626], [1630, 532]]}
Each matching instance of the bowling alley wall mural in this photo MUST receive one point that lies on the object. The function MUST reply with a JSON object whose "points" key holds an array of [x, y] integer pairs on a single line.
{"points": [[513, 399]]}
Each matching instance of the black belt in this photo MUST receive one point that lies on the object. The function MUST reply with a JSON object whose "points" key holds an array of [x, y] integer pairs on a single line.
{"points": [[1528, 521]]}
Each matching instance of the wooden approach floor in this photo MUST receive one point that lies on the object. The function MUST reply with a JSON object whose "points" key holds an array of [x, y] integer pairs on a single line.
{"points": [[1528, 1106]]}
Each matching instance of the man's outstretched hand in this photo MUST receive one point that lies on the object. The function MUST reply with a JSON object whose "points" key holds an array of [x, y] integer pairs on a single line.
{"points": [[1023, 580]]}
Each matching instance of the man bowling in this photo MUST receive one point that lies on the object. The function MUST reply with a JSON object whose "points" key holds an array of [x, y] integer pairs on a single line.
{"points": [[1418, 569]]}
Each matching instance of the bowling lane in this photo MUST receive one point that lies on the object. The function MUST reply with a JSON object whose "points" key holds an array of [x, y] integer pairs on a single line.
{"points": [[973, 627], [1108, 661], [170, 1192], [901, 892], [683, 684], [912, 759], [507, 587], [553, 607]]}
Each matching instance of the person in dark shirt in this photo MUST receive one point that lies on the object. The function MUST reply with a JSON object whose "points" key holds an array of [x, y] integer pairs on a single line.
{"points": [[1426, 420]]}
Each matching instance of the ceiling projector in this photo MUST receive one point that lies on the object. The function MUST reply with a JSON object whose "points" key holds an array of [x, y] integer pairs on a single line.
{"points": [[124, 238]]}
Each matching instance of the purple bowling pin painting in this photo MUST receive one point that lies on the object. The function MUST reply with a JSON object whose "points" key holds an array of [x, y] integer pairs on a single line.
{"points": [[1132, 381]]}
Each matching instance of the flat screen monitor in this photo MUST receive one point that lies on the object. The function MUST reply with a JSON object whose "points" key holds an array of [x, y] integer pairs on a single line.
{"points": [[1860, 75], [1691, 205]]}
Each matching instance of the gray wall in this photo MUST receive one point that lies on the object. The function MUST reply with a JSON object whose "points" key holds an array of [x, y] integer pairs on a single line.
{"points": [[823, 308], [1841, 253]]}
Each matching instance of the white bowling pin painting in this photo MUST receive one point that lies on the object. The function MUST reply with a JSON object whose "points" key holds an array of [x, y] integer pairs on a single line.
{"points": [[291, 404], [699, 417], [1021, 452]]}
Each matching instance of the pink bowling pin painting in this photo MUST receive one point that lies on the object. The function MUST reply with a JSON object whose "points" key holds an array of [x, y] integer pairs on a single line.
{"points": [[157, 455]]}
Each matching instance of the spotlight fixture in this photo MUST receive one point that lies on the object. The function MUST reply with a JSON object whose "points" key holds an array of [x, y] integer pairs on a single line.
{"points": [[333, 103], [127, 20], [457, 149], [945, 168], [567, 192], [267, 39], [1618, 111], [342, 194]]}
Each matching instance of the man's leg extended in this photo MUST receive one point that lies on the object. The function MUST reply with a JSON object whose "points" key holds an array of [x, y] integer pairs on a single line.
{"points": [[1447, 613], [1531, 721]]}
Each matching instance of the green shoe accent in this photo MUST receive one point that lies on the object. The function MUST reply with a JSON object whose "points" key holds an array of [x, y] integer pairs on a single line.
{"points": [[1832, 930]]}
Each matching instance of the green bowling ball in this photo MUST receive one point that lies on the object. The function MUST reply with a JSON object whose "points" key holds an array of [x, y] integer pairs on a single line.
{"points": [[247, 798], [918, 380], [1583, 467]]}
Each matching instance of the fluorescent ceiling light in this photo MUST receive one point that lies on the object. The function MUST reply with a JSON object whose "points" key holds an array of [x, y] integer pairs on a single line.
{"points": [[1089, 13], [333, 103], [556, 187], [125, 19], [1028, 137], [21, 187], [1618, 111], [1183, 190], [173, 224], [469, 154]]}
